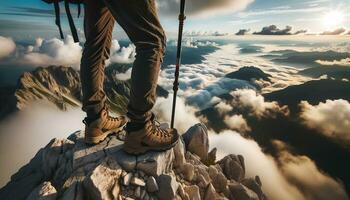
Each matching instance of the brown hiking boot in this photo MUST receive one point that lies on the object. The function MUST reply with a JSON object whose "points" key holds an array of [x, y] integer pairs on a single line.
{"points": [[97, 130], [150, 137]]}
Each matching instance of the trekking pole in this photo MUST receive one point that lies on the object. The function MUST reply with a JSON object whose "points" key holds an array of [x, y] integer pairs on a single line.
{"points": [[182, 18]]}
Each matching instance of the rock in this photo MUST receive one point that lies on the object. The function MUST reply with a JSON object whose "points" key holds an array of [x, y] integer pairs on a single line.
{"points": [[137, 181], [104, 180], [193, 192], [84, 154], [127, 179], [179, 153], [155, 163], [44, 191], [196, 140], [151, 184], [167, 187], [182, 193], [74, 192], [104, 171], [252, 184], [188, 171], [125, 160], [233, 167], [202, 182], [239, 191], [219, 180], [210, 193], [137, 192], [211, 159]]}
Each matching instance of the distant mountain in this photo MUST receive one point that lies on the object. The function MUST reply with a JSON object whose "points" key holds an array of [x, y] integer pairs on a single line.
{"points": [[337, 72], [313, 91], [61, 86], [306, 59], [249, 73]]}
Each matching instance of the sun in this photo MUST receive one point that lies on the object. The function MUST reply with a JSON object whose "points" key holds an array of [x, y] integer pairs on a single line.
{"points": [[333, 18]]}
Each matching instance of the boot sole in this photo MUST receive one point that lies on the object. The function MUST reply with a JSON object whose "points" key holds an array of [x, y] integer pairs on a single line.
{"points": [[141, 149], [100, 138]]}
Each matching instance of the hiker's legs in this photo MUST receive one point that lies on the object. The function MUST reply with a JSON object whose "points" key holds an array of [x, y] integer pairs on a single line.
{"points": [[98, 27], [140, 21]]}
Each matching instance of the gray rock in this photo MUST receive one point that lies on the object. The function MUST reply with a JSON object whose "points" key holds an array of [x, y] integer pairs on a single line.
{"points": [[167, 187], [103, 180], [202, 182], [219, 180], [127, 179], [239, 191], [179, 152], [193, 192], [254, 185], [155, 163], [182, 193], [44, 191], [137, 181], [196, 140], [74, 192], [125, 160], [137, 192], [151, 184], [210, 193], [233, 167], [188, 171], [84, 154]]}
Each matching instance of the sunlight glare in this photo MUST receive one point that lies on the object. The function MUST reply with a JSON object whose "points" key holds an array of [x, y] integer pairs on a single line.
{"points": [[333, 19]]}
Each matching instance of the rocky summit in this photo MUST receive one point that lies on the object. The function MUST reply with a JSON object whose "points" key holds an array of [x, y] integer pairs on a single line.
{"points": [[69, 169]]}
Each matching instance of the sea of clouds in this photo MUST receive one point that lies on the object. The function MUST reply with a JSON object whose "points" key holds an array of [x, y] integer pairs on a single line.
{"points": [[295, 176]]}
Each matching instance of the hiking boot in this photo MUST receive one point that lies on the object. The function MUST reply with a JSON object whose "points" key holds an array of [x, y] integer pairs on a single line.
{"points": [[150, 137], [98, 129]]}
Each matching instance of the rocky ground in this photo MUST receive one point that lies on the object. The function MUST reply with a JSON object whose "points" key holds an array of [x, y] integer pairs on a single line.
{"points": [[71, 170]]}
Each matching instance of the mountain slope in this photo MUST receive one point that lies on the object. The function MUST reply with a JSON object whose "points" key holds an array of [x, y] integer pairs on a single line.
{"points": [[61, 86]]}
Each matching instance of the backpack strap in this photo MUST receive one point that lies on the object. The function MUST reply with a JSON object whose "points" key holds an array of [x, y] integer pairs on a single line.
{"points": [[71, 22], [58, 20], [79, 9]]}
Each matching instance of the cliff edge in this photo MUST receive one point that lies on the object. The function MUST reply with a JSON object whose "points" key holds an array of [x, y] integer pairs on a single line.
{"points": [[69, 169]]}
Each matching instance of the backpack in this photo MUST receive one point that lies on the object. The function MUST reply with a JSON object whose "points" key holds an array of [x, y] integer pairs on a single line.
{"points": [[69, 15]]}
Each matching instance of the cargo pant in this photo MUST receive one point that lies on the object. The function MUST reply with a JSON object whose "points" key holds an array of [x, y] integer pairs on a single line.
{"points": [[139, 20]]}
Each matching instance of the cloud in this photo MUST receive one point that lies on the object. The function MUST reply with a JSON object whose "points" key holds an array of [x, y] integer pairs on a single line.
{"points": [[273, 30], [53, 52], [248, 98], [257, 163], [331, 118], [25, 132], [184, 114], [300, 32], [303, 173], [342, 62], [203, 97], [122, 55], [7, 46], [46, 52], [243, 32], [204, 33], [124, 76], [223, 107], [199, 7], [296, 177], [337, 31], [237, 123]]}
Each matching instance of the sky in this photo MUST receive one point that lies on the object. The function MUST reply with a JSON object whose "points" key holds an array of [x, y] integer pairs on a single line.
{"points": [[28, 19]]}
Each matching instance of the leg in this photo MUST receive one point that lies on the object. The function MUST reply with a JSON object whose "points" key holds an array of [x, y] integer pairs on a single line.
{"points": [[98, 27], [140, 21]]}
